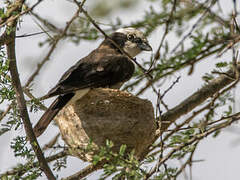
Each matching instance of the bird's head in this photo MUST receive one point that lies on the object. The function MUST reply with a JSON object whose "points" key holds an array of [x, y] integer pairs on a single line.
{"points": [[131, 40]]}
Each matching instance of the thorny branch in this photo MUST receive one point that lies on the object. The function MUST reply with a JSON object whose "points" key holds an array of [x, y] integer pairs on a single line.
{"points": [[194, 26], [11, 17], [209, 90], [178, 127], [34, 164], [51, 143], [53, 47], [188, 161], [6, 112], [198, 97], [20, 97], [190, 62], [196, 138], [169, 20], [234, 72], [85, 171]]}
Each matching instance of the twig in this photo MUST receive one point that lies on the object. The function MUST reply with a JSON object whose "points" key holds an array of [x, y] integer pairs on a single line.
{"points": [[193, 27], [157, 54], [188, 161], [85, 171], [46, 23], [12, 17], [158, 111], [193, 101], [223, 73], [218, 19], [189, 62], [30, 95], [177, 129], [191, 141], [27, 35], [40, 65], [34, 165], [168, 89], [6, 111], [46, 32], [198, 97], [51, 143]]}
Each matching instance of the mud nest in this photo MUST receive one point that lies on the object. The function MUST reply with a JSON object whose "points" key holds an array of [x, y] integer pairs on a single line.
{"points": [[107, 114]]}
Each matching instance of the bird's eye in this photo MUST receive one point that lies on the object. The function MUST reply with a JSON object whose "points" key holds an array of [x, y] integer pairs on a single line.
{"points": [[130, 37]]}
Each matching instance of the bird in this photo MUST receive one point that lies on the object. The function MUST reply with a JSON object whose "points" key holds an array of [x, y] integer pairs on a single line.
{"points": [[105, 67]]}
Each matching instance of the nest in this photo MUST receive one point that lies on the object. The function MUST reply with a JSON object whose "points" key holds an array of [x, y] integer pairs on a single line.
{"points": [[107, 114]]}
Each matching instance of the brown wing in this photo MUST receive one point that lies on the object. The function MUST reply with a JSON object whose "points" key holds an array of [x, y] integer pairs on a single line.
{"points": [[107, 71], [51, 112]]}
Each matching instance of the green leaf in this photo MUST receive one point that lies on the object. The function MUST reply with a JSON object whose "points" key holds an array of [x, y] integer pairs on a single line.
{"points": [[3, 130], [122, 149], [221, 64]]}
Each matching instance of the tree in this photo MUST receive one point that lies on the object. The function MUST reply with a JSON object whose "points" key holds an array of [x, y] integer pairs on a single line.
{"points": [[201, 32]]}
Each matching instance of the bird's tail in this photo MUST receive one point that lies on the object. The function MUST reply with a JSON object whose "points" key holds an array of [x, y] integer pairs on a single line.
{"points": [[51, 112]]}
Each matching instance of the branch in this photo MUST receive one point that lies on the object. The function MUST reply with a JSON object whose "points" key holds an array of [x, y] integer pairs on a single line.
{"points": [[194, 26], [20, 98], [196, 138], [189, 161], [6, 111], [15, 171], [193, 101], [217, 18], [40, 65], [189, 62], [197, 98], [85, 171], [169, 20], [4, 39], [11, 16], [51, 143]]}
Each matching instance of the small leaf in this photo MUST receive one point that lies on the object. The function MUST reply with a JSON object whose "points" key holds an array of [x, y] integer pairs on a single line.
{"points": [[221, 64], [3, 130], [122, 149]]}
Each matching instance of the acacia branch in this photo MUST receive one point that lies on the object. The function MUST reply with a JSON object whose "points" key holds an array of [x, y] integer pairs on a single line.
{"points": [[189, 161], [194, 26], [189, 62], [197, 98], [21, 172], [223, 82], [10, 16], [23, 109], [20, 98], [157, 54], [196, 138], [85, 171], [53, 47], [6, 111]]}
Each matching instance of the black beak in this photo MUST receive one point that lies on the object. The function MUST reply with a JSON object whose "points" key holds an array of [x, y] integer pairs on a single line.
{"points": [[144, 46]]}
